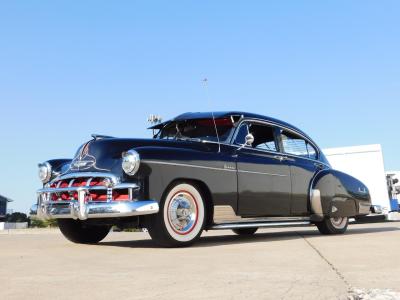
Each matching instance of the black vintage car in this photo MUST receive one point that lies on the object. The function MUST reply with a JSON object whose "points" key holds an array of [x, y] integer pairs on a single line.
{"points": [[201, 171]]}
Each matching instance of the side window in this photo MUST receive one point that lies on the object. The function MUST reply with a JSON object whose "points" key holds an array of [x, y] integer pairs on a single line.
{"points": [[241, 135], [312, 153], [294, 144], [264, 138]]}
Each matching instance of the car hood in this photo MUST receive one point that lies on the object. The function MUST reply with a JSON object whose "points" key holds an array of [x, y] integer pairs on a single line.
{"points": [[105, 154]]}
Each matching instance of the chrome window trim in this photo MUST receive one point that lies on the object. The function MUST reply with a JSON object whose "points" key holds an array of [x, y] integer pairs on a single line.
{"points": [[307, 141], [281, 152]]}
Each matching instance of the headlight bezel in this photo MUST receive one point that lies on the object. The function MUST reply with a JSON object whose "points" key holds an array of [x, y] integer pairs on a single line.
{"points": [[130, 162], [45, 172]]}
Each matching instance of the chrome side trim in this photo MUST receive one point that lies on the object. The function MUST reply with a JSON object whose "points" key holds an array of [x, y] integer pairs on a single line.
{"points": [[316, 206], [261, 173], [224, 214], [364, 208], [209, 168], [186, 165], [259, 224]]}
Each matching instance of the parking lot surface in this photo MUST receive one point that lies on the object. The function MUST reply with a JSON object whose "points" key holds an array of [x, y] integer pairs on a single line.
{"points": [[289, 263]]}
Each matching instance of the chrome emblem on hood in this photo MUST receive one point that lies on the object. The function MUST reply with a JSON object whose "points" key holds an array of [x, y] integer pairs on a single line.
{"points": [[83, 160]]}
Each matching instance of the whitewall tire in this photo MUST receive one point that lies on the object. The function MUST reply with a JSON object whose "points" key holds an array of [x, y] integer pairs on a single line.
{"points": [[180, 221]]}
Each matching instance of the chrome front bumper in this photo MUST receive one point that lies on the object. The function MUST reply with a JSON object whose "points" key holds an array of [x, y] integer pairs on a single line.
{"points": [[82, 208], [82, 211]]}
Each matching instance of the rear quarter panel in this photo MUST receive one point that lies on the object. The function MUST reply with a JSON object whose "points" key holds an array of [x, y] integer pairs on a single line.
{"points": [[341, 194]]}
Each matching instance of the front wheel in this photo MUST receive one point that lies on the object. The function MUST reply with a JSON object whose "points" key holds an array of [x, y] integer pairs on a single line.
{"points": [[180, 220], [78, 232], [337, 225]]}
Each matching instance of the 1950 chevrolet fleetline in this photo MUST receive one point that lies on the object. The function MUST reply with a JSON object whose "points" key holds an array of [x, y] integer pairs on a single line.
{"points": [[200, 171]]}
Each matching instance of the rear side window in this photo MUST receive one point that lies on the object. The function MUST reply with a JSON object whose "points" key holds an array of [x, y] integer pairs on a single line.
{"points": [[296, 145]]}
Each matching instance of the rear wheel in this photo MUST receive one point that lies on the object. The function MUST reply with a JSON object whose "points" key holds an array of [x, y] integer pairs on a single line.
{"points": [[81, 233], [245, 231], [335, 225], [180, 220]]}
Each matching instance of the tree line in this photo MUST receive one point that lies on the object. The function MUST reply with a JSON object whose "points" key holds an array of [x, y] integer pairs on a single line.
{"points": [[17, 217]]}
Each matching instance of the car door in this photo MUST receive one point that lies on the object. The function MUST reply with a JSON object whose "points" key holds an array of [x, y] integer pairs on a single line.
{"points": [[264, 187], [303, 167]]}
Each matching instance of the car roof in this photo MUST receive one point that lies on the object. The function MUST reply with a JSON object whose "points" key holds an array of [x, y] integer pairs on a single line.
{"points": [[225, 114]]}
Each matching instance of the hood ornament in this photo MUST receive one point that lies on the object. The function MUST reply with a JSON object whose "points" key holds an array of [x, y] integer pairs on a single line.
{"points": [[84, 161]]}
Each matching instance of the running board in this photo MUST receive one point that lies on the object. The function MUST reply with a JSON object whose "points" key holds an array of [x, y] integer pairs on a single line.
{"points": [[259, 224]]}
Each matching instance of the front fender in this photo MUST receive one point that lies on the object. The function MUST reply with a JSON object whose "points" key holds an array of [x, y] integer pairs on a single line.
{"points": [[163, 165]]}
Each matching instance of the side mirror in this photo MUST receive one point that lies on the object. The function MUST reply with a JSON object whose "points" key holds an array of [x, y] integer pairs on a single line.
{"points": [[395, 181], [249, 139]]}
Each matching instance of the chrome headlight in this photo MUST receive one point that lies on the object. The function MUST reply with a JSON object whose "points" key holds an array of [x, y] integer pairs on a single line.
{"points": [[130, 162], [44, 172]]}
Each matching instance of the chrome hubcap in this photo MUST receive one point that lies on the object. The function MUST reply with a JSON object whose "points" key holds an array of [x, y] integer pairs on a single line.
{"points": [[182, 213], [338, 222]]}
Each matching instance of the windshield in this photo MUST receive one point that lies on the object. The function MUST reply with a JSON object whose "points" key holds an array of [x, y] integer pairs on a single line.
{"points": [[197, 129]]}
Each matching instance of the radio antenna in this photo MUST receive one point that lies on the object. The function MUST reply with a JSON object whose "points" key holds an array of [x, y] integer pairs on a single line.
{"points": [[205, 81]]}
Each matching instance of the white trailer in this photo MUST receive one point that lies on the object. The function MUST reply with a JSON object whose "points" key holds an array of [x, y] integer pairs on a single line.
{"points": [[366, 164]]}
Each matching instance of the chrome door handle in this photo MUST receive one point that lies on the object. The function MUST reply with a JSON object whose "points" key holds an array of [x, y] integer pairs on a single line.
{"points": [[280, 157]]}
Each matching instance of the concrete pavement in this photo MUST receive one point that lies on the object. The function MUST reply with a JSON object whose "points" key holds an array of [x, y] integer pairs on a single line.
{"points": [[289, 263]]}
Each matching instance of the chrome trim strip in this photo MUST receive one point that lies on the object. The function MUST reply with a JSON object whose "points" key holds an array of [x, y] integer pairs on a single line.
{"points": [[186, 165], [224, 214], [261, 173], [259, 224], [209, 168], [316, 205], [364, 208]]}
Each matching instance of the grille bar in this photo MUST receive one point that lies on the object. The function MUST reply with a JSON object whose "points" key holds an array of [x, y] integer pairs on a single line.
{"points": [[103, 187]]}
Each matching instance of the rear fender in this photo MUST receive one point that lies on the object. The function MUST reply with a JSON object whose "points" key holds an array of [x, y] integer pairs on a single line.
{"points": [[336, 194]]}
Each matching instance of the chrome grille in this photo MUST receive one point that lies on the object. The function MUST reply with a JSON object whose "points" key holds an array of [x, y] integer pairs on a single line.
{"points": [[98, 187]]}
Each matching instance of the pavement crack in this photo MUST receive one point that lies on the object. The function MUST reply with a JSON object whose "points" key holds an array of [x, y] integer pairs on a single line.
{"points": [[331, 265]]}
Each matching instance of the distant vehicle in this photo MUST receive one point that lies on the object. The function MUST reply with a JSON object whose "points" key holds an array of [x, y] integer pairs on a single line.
{"points": [[201, 171]]}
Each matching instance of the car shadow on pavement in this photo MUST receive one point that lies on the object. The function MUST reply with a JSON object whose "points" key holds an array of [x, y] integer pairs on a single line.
{"points": [[232, 239]]}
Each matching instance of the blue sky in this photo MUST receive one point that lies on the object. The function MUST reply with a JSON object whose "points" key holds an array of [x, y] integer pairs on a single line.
{"points": [[69, 69]]}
